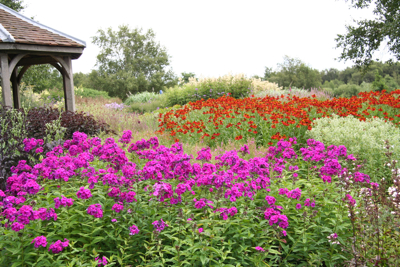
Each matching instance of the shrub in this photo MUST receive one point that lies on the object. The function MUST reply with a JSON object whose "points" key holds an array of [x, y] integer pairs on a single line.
{"points": [[145, 107], [37, 119], [364, 139], [347, 90], [237, 86], [143, 97], [88, 92]]}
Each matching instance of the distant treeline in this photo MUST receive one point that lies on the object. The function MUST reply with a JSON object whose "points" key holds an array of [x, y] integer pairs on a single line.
{"points": [[291, 73]]}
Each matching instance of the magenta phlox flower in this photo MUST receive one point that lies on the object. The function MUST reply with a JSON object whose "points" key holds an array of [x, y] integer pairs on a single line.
{"points": [[63, 202], [327, 178], [298, 206], [129, 170], [21, 167], [103, 261], [39, 241], [133, 230], [284, 233], [58, 246], [163, 191], [2, 194], [31, 187], [271, 200], [159, 225], [260, 249], [349, 199], [295, 193], [130, 197], [200, 230], [117, 207], [95, 210], [84, 193], [244, 149], [114, 192], [16, 226], [126, 137], [31, 143]]}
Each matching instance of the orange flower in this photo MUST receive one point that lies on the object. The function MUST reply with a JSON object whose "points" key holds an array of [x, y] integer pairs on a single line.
{"points": [[238, 137]]}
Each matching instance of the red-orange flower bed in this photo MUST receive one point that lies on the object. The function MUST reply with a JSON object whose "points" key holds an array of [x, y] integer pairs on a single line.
{"points": [[271, 118]]}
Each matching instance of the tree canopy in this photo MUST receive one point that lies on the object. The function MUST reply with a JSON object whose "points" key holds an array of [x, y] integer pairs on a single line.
{"points": [[360, 41], [130, 61], [13, 4]]}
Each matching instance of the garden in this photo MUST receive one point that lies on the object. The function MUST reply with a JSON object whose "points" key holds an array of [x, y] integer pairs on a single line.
{"points": [[227, 171]]}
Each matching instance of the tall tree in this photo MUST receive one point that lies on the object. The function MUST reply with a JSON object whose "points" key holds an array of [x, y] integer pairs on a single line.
{"points": [[13, 4], [130, 61], [361, 41]]}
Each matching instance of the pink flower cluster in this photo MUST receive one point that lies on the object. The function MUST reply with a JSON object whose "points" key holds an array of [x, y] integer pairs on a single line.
{"points": [[95, 210], [103, 261], [58, 246], [84, 193], [63, 202], [40, 241], [32, 143], [133, 230], [224, 212], [159, 225]]}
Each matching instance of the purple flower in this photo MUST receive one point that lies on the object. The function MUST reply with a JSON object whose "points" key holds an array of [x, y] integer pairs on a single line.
{"points": [[101, 261], [245, 150], [298, 206], [260, 249], [201, 230], [159, 225], [284, 232], [58, 246], [133, 230], [126, 137], [270, 200], [40, 241], [117, 207], [84, 193], [17, 226], [95, 210], [204, 154]]}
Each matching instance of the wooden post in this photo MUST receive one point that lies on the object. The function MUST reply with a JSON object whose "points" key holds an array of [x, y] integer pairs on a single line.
{"points": [[15, 88], [5, 80], [69, 85]]}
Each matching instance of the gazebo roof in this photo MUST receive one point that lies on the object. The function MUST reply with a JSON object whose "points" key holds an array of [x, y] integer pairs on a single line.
{"points": [[18, 29]]}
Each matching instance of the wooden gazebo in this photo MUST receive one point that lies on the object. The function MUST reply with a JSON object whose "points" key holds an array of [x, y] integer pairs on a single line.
{"points": [[25, 42]]}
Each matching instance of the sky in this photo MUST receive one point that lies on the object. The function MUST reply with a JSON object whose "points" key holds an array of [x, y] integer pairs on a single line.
{"points": [[212, 38]]}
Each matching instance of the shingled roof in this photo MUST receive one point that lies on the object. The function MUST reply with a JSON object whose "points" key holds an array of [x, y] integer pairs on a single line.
{"points": [[16, 28]]}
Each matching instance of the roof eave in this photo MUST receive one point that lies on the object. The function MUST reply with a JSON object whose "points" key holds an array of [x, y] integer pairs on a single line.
{"points": [[79, 41]]}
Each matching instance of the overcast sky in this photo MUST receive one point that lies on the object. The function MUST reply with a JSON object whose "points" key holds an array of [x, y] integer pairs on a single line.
{"points": [[212, 38]]}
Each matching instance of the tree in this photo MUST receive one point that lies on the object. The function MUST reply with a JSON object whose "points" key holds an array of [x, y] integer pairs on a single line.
{"points": [[43, 77], [294, 73], [130, 61], [186, 76], [362, 40], [13, 4]]}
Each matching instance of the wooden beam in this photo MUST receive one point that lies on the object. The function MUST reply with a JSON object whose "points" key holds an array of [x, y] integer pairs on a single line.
{"points": [[15, 89], [75, 52], [68, 85], [5, 80], [21, 73], [36, 61], [14, 61]]}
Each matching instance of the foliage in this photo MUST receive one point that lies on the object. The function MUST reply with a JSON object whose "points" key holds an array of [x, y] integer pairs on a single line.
{"points": [[186, 76], [379, 83], [42, 77], [38, 118], [185, 217], [293, 72], [117, 119], [130, 61], [147, 107], [88, 92], [142, 97], [319, 94], [359, 42], [365, 139], [17, 5]]}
